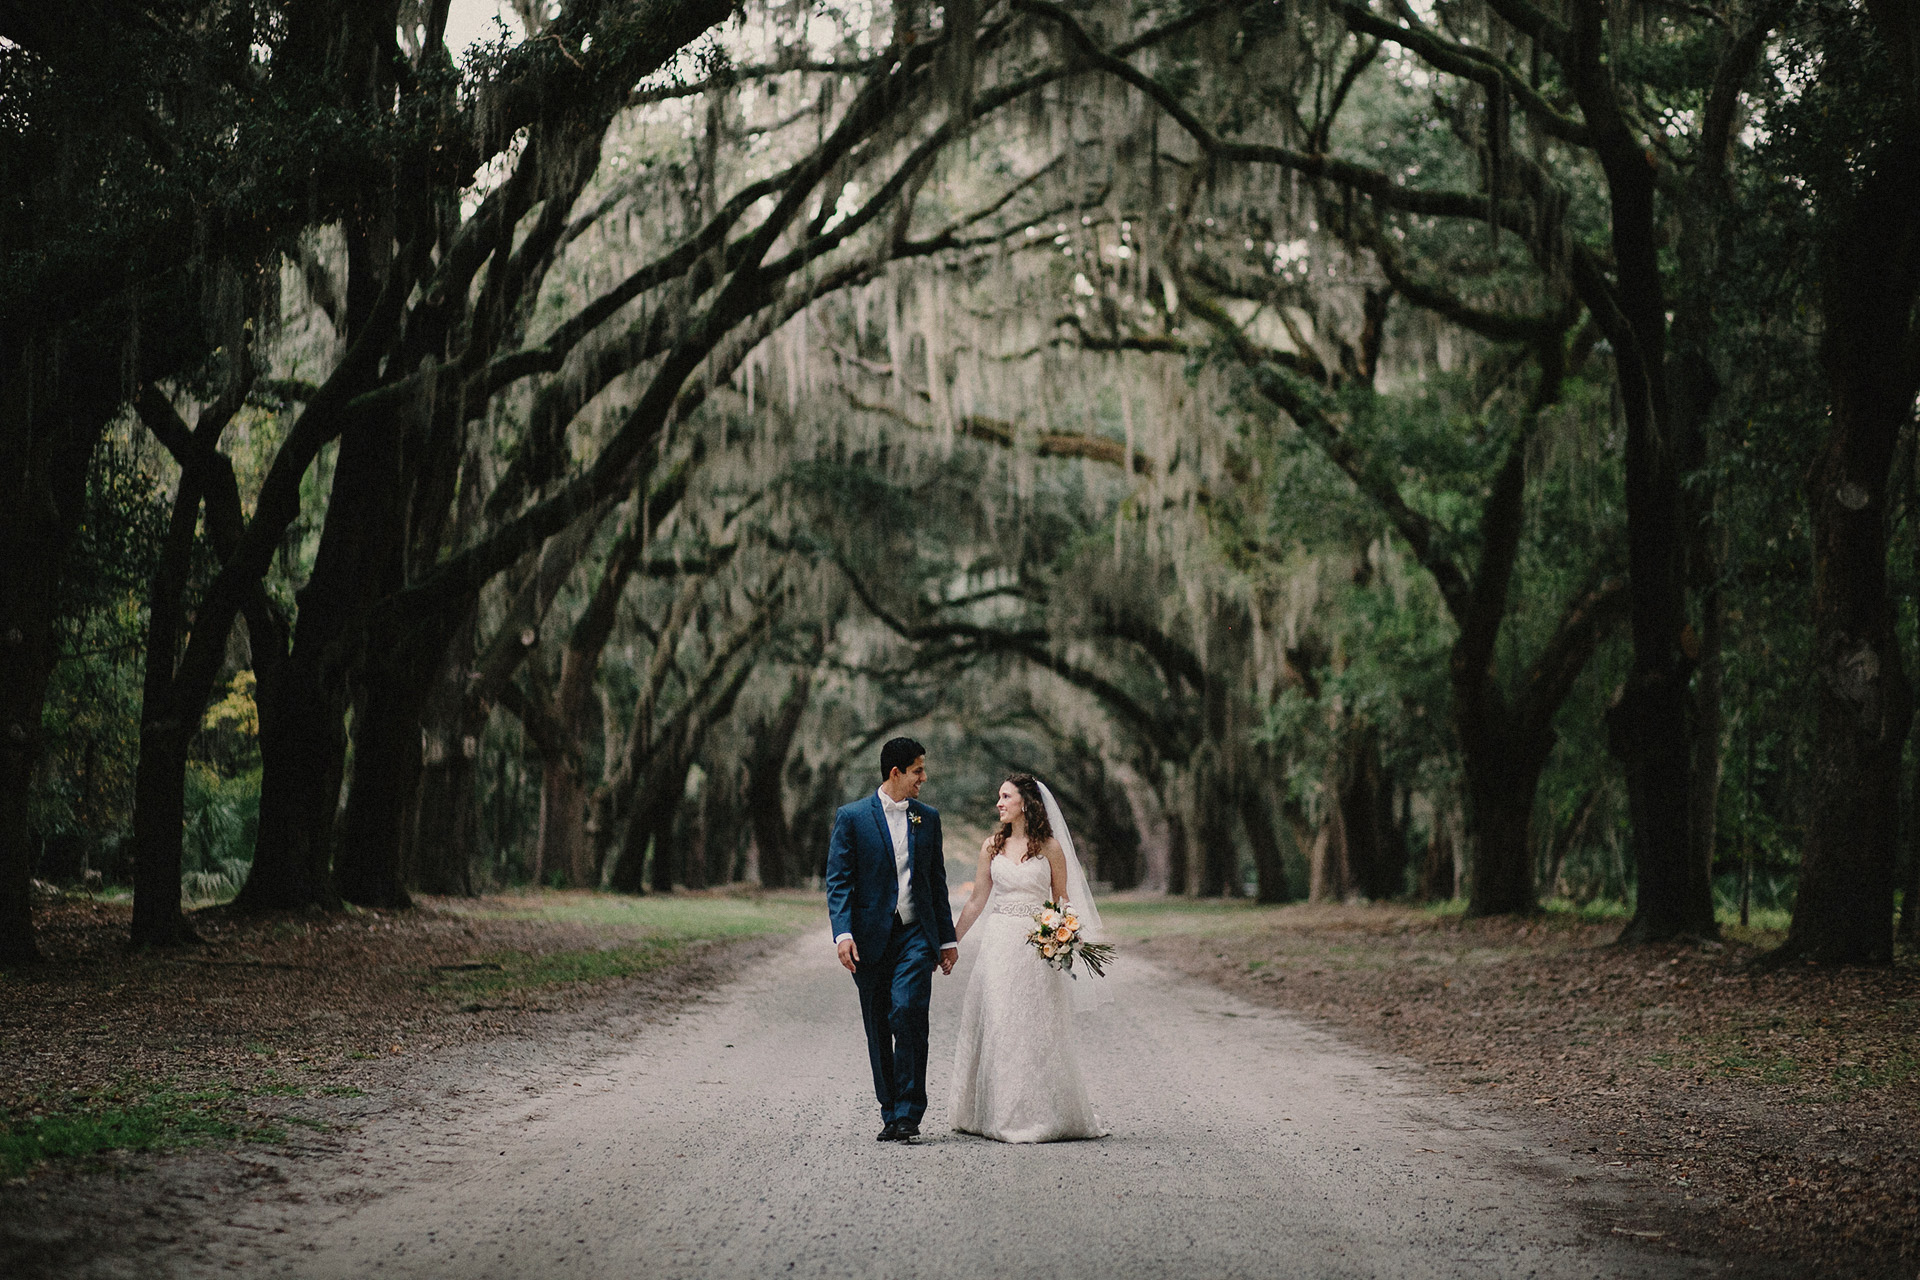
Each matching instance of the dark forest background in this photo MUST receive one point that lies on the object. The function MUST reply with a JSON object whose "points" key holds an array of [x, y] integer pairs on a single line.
{"points": [[1352, 450]]}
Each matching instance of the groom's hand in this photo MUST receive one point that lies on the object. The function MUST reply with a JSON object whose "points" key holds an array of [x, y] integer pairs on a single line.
{"points": [[947, 957], [849, 955]]}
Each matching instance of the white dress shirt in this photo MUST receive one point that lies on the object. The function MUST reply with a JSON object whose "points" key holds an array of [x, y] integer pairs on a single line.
{"points": [[896, 811], [896, 814]]}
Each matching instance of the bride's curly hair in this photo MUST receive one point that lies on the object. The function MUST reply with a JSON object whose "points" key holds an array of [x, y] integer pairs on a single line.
{"points": [[1039, 830]]}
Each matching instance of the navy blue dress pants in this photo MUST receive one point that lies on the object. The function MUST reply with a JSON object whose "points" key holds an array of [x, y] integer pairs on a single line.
{"points": [[894, 991]]}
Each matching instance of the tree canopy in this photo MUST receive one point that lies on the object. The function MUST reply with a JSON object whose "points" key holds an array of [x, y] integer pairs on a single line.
{"points": [[1352, 449]]}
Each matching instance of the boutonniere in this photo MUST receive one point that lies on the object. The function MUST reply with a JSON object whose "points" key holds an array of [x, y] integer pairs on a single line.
{"points": [[914, 818]]}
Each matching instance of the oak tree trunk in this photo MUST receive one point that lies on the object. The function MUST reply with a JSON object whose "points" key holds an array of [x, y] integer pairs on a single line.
{"points": [[29, 548], [441, 835], [1502, 766], [562, 843], [765, 801], [303, 739], [302, 757], [1910, 898], [1268, 859], [1499, 816], [1650, 726], [1436, 869], [56, 397], [1709, 751], [1871, 280], [1844, 910], [1176, 852], [160, 777], [1376, 864], [444, 831], [1909, 929], [1329, 874], [380, 795], [668, 865]]}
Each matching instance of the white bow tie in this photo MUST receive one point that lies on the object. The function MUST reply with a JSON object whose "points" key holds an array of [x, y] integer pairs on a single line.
{"points": [[893, 806]]}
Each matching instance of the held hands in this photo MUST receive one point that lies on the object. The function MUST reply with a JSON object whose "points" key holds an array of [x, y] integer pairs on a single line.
{"points": [[850, 957]]}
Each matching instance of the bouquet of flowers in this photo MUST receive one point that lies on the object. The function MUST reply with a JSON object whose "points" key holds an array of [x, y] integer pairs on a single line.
{"points": [[1056, 936]]}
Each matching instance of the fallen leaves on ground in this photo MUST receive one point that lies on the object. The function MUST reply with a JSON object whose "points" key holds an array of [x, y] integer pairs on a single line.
{"points": [[270, 1020], [1780, 1110]]}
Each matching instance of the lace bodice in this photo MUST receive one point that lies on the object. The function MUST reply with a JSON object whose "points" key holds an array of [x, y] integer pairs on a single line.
{"points": [[1019, 888]]}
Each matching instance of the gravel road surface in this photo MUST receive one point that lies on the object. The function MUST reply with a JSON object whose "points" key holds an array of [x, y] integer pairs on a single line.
{"points": [[737, 1142]]}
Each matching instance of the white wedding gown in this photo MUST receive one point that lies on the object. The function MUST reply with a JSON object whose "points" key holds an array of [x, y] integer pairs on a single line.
{"points": [[1016, 1076]]}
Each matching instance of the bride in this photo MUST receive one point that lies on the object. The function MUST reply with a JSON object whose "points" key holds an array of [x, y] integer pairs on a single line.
{"points": [[1016, 1077]]}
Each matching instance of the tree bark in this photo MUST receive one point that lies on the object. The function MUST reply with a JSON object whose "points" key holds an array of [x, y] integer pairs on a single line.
{"points": [[662, 784], [1176, 852], [1910, 908], [1377, 867], [691, 821], [1212, 869], [303, 705], [303, 739], [172, 702], [667, 867], [1329, 877], [1843, 913], [649, 826], [725, 824], [56, 396], [382, 791], [1709, 750], [625, 861], [1269, 861], [1501, 785], [1436, 871], [1504, 742], [31, 548], [445, 835], [1650, 726], [562, 841], [1844, 910], [765, 801], [159, 805], [1909, 929], [302, 756]]}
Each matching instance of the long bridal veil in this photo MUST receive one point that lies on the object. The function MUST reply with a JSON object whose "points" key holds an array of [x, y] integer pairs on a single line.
{"points": [[1089, 992]]}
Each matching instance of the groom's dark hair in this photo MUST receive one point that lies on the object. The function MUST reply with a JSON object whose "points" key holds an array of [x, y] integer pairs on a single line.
{"points": [[899, 754]]}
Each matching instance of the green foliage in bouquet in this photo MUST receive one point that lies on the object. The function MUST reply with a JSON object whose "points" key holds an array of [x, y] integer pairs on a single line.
{"points": [[1056, 936]]}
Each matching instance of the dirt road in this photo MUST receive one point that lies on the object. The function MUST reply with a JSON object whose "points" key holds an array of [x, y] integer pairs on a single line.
{"points": [[738, 1142]]}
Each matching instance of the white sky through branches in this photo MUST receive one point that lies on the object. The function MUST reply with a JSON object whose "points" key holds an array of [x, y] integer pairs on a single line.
{"points": [[469, 21]]}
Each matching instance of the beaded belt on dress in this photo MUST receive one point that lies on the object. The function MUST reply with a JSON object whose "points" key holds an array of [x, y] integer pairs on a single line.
{"points": [[1003, 908]]}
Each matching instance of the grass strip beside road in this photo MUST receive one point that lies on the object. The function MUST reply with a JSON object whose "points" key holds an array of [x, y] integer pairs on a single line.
{"points": [[680, 917], [278, 1022], [134, 1117], [639, 935]]}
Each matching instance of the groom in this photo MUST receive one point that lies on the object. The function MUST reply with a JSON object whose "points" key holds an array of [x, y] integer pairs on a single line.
{"points": [[887, 898]]}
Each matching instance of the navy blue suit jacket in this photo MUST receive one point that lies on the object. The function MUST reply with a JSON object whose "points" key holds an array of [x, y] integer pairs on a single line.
{"points": [[863, 885]]}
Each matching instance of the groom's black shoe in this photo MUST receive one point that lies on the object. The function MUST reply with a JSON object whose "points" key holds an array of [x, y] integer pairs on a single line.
{"points": [[892, 1133], [908, 1130]]}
